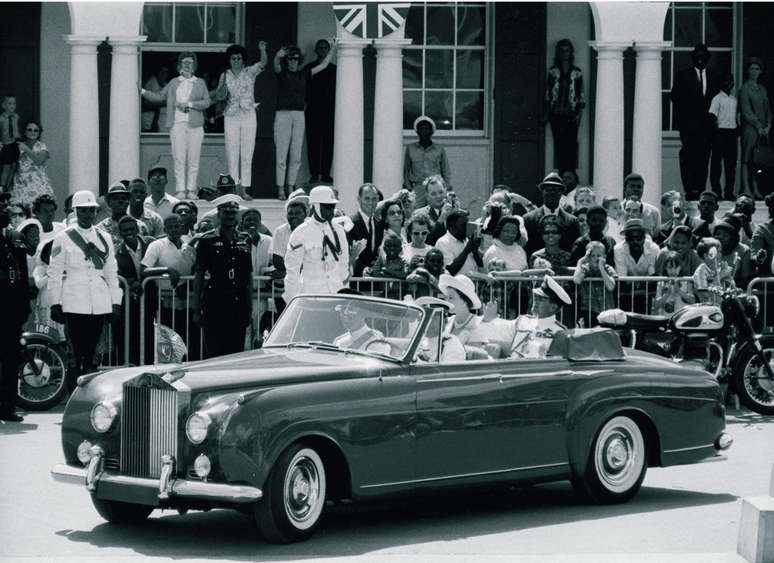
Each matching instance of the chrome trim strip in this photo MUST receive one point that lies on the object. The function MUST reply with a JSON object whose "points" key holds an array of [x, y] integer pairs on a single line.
{"points": [[181, 488], [446, 478], [689, 449], [500, 376]]}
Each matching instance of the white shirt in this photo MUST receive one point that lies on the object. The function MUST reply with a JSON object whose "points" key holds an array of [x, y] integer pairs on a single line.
{"points": [[547, 211], [723, 107], [451, 247], [56, 229], [182, 95], [410, 251], [261, 254], [279, 242], [626, 265], [164, 207], [74, 282], [163, 253], [514, 256]]}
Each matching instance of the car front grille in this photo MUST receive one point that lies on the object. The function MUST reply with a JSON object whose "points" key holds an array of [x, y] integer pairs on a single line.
{"points": [[148, 430]]}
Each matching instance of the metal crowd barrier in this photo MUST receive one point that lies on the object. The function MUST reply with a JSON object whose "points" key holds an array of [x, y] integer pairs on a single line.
{"points": [[109, 346], [763, 289]]}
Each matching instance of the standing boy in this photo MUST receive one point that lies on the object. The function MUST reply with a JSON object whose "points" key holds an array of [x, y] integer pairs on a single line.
{"points": [[723, 112], [9, 147], [423, 159]]}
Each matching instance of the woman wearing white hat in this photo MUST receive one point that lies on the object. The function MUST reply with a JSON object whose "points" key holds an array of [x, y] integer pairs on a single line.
{"points": [[83, 282]]}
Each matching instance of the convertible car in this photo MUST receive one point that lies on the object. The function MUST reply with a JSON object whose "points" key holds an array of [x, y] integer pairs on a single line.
{"points": [[351, 398]]}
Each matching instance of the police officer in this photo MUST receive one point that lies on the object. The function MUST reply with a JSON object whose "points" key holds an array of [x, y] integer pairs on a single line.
{"points": [[534, 333], [317, 257], [83, 283], [16, 306], [223, 303]]}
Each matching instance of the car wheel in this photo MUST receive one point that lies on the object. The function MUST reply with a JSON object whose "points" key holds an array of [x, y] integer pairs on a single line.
{"points": [[294, 498], [121, 512], [617, 463]]}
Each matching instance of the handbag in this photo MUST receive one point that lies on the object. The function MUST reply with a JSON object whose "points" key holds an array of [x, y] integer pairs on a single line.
{"points": [[763, 154]]}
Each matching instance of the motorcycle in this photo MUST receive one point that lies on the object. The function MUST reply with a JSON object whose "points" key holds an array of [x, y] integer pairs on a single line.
{"points": [[718, 339], [43, 370]]}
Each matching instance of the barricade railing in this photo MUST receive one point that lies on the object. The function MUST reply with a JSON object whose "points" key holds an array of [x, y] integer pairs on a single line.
{"points": [[763, 289], [114, 342], [160, 303]]}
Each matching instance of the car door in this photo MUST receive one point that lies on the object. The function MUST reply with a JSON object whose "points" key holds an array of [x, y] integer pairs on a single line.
{"points": [[489, 418]]}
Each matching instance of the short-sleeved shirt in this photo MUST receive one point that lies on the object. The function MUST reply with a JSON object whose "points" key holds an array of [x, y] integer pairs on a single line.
{"points": [[724, 107], [279, 242], [163, 253], [241, 96], [291, 89], [451, 247], [164, 207], [626, 265], [230, 265]]}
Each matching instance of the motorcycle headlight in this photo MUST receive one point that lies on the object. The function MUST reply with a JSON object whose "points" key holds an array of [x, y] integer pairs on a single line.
{"points": [[102, 416], [751, 306], [197, 426]]}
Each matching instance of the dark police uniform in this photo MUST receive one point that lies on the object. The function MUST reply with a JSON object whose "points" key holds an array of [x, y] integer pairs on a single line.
{"points": [[227, 297], [14, 296]]}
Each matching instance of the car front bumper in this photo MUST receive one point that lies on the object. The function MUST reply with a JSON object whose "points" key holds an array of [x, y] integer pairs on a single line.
{"points": [[165, 490]]}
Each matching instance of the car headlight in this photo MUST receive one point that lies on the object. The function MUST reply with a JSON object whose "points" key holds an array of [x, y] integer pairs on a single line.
{"points": [[102, 416], [84, 452], [202, 466], [197, 426]]}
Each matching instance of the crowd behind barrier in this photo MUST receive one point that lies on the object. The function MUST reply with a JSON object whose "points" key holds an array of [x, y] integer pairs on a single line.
{"points": [[160, 303]]}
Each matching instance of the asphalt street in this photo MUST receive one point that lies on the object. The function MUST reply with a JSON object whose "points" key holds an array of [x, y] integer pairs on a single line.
{"points": [[684, 514]]}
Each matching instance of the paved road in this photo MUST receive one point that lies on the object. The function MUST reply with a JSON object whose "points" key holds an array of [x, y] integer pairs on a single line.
{"points": [[686, 514]]}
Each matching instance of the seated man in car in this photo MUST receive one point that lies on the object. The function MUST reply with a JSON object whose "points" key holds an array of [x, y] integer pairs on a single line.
{"points": [[358, 335], [534, 333]]}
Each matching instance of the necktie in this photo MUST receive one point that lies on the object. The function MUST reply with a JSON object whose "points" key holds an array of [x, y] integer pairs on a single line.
{"points": [[371, 238]]}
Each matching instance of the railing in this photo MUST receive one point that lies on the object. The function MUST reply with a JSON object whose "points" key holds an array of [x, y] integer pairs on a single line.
{"points": [[763, 289]]}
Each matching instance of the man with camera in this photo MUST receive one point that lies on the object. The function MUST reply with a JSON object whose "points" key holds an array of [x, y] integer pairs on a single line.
{"points": [[440, 202], [461, 253], [673, 211]]}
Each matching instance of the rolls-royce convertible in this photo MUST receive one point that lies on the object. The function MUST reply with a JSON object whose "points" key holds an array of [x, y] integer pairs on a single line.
{"points": [[354, 398]]}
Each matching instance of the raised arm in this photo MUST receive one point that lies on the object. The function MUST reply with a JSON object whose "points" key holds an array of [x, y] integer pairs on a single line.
{"points": [[327, 60], [278, 60]]}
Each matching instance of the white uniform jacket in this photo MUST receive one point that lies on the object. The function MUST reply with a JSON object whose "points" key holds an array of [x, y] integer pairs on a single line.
{"points": [[534, 336], [74, 282], [310, 267]]}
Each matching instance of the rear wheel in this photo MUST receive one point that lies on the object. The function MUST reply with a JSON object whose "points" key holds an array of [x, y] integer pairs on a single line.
{"points": [[295, 496], [617, 463], [751, 379], [117, 512], [42, 376]]}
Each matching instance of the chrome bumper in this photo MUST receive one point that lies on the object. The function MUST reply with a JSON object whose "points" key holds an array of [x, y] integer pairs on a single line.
{"points": [[165, 488]]}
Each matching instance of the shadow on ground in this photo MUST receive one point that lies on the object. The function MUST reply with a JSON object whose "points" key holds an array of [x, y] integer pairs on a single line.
{"points": [[349, 529]]}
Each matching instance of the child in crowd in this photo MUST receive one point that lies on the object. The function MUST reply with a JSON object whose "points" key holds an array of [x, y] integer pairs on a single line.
{"points": [[585, 197], [9, 137], [712, 273], [581, 214], [390, 264], [612, 205], [423, 159], [423, 281], [723, 112], [672, 294], [596, 281]]}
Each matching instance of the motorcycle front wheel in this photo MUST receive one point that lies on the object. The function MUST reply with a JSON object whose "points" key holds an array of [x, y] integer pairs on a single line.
{"points": [[42, 376], [754, 386]]}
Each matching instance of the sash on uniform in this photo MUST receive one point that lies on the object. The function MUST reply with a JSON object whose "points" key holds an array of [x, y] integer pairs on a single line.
{"points": [[89, 249]]}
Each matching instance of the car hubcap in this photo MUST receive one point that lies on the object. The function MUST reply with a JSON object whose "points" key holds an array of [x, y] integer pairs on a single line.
{"points": [[303, 490], [619, 455]]}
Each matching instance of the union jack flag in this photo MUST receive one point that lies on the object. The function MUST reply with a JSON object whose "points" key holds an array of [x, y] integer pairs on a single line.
{"points": [[371, 20]]}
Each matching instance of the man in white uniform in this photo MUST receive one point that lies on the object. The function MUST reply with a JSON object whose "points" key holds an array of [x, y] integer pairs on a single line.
{"points": [[317, 256], [534, 333], [83, 282]]}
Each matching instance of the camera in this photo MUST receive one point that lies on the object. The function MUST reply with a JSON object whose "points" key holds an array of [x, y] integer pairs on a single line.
{"points": [[677, 210]]}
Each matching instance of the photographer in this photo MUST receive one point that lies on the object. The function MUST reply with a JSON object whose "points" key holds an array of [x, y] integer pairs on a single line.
{"points": [[440, 202], [461, 253], [673, 211]]}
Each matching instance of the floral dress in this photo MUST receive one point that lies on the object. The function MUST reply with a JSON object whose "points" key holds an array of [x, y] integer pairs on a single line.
{"points": [[31, 179]]}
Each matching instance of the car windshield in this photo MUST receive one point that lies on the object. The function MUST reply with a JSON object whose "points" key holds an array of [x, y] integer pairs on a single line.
{"points": [[348, 323]]}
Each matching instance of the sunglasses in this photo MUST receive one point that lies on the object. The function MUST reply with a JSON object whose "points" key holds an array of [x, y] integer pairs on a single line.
{"points": [[33, 129], [395, 212], [420, 233], [294, 58]]}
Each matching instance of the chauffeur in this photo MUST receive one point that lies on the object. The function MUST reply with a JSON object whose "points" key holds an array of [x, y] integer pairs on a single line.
{"points": [[534, 333], [223, 303], [83, 282], [317, 257]]}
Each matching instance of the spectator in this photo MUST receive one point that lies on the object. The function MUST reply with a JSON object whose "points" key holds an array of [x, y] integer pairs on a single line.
{"points": [[289, 121], [756, 122], [744, 209], [117, 198], [260, 246], [416, 249], [494, 210], [581, 214], [9, 141], [187, 212], [551, 188], [406, 199], [733, 252], [18, 213], [42, 305], [423, 280], [296, 211], [31, 179], [634, 187], [44, 210], [187, 98], [723, 112], [145, 215], [320, 105], [391, 216], [615, 217], [596, 281], [763, 239], [673, 214], [712, 274], [636, 256], [564, 102], [552, 255], [632, 209], [679, 242], [571, 181], [672, 294], [438, 207], [584, 197], [596, 218], [159, 201], [236, 86], [422, 160], [704, 225], [154, 114], [389, 263], [461, 254], [505, 245]]}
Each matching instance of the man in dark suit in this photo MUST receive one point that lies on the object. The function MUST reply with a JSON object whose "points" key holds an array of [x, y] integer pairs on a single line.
{"points": [[551, 188], [366, 228], [691, 95]]}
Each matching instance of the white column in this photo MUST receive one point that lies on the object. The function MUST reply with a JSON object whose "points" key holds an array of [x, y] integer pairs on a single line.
{"points": [[646, 143], [84, 113], [124, 148], [609, 119], [348, 133], [388, 115]]}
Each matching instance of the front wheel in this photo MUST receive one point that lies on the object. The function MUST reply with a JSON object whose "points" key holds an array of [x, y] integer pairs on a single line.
{"points": [[617, 463], [42, 376], [117, 512], [295, 496], [751, 379]]}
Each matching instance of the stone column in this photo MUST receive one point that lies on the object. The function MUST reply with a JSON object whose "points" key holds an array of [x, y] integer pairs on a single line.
{"points": [[84, 113], [348, 133], [124, 140], [646, 143], [609, 119], [388, 115]]}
